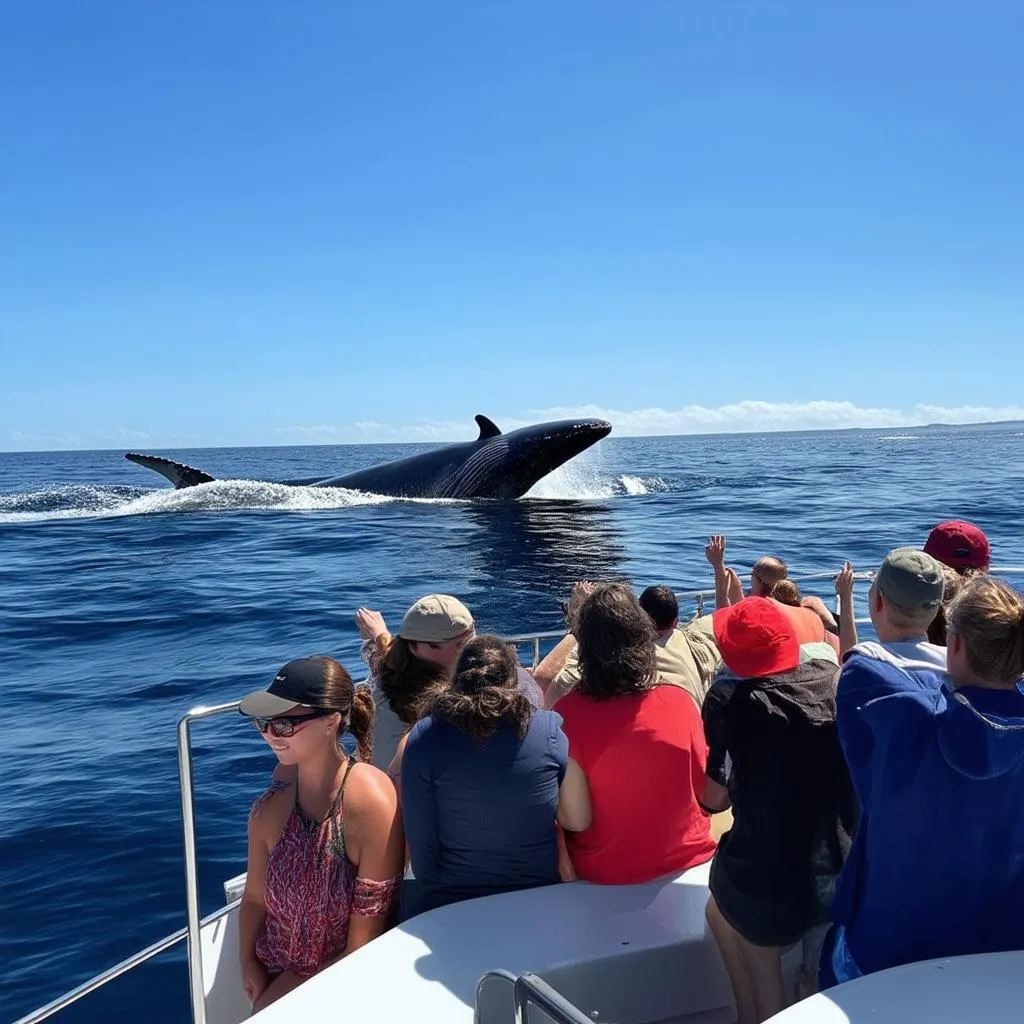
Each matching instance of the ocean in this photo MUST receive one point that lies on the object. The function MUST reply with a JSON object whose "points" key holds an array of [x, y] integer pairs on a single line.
{"points": [[124, 603]]}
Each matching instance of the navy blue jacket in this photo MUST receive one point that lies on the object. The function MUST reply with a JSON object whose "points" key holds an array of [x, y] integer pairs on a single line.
{"points": [[937, 863]]}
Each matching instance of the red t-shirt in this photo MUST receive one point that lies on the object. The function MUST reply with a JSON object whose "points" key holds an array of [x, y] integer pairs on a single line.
{"points": [[644, 757]]}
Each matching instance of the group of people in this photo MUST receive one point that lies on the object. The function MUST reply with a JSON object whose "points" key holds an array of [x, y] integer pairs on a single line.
{"points": [[869, 794]]}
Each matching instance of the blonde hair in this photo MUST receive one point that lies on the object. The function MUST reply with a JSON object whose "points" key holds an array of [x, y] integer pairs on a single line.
{"points": [[988, 616], [787, 592]]}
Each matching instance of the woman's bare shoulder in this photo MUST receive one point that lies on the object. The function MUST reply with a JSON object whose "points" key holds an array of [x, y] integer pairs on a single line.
{"points": [[369, 791], [271, 809]]}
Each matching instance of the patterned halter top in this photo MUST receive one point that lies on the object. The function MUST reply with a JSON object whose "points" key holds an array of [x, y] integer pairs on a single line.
{"points": [[312, 890]]}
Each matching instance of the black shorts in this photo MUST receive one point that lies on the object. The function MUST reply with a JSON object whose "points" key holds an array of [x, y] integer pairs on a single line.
{"points": [[763, 911]]}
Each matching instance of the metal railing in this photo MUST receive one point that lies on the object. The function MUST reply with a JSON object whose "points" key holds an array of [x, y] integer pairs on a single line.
{"points": [[530, 990], [529, 987], [188, 824], [701, 598], [161, 946]]}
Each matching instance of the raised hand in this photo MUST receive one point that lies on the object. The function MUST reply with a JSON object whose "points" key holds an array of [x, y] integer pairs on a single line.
{"points": [[844, 583], [714, 551], [371, 624]]}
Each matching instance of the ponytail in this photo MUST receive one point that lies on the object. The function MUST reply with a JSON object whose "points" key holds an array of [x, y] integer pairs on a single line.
{"points": [[361, 722], [787, 592], [484, 692]]}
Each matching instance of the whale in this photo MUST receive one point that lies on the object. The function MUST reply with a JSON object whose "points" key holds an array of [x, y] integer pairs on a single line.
{"points": [[495, 465]]}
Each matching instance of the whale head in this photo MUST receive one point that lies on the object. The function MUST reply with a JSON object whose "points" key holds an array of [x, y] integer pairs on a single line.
{"points": [[508, 465]]}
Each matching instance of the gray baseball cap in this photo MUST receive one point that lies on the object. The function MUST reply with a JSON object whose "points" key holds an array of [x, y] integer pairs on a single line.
{"points": [[911, 579]]}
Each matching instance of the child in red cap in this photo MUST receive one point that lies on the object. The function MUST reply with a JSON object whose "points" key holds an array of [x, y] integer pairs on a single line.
{"points": [[774, 757], [964, 550]]}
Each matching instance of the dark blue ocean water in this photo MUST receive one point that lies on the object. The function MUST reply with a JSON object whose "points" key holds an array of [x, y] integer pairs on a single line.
{"points": [[125, 603]]}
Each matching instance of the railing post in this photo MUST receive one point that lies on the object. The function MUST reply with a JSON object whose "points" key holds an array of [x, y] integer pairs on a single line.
{"points": [[197, 994], [536, 651]]}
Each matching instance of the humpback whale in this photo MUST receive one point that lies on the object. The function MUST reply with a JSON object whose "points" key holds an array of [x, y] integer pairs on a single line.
{"points": [[495, 465]]}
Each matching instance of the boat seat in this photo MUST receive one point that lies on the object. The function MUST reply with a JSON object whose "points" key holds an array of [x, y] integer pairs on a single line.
{"points": [[633, 954]]}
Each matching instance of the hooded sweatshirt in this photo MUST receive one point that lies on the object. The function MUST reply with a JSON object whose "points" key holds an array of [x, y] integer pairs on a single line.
{"points": [[937, 863]]}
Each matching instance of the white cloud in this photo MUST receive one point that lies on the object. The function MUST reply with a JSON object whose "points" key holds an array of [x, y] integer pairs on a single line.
{"points": [[736, 417]]}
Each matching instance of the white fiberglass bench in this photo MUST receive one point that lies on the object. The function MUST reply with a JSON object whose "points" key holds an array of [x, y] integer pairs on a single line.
{"points": [[629, 954]]}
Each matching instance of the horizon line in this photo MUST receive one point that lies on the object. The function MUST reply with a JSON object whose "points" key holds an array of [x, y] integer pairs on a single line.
{"points": [[938, 425]]}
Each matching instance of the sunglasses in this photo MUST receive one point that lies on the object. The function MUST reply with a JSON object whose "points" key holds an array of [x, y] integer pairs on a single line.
{"points": [[285, 725]]}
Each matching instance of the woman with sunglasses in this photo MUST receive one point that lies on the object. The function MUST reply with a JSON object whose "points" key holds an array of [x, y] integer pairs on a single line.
{"points": [[326, 847]]}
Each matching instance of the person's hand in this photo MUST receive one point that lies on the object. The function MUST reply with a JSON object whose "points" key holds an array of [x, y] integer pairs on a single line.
{"points": [[570, 609], [371, 624], [844, 584], [735, 587], [254, 979], [714, 552]]}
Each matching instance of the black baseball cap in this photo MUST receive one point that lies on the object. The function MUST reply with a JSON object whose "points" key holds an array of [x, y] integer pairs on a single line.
{"points": [[299, 683]]}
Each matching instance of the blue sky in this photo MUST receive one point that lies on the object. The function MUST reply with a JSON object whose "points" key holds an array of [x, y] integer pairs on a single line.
{"points": [[248, 223]]}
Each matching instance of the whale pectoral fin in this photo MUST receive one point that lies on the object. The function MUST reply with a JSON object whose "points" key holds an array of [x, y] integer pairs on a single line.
{"points": [[178, 473], [488, 428]]}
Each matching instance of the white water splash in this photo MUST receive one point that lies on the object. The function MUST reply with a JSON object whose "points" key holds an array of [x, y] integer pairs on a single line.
{"points": [[640, 485], [95, 502], [579, 481], [900, 437]]}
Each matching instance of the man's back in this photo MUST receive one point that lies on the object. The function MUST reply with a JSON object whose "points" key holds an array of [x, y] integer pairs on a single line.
{"points": [[936, 866], [686, 657]]}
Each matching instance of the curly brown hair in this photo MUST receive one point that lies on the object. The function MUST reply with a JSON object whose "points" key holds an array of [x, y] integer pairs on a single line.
{"points": [[484, 691], [616, 644], [407, 682]]}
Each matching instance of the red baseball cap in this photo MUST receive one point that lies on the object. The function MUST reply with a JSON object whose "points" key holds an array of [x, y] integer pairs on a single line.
{"points": [[756, 638], [959, 545]]}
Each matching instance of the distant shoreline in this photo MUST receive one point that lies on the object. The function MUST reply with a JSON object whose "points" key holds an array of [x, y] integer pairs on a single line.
{"points": [[988, 425]]}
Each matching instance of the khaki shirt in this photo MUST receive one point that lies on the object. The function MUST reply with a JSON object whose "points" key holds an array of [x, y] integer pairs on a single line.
{"points": [[688, 657]]}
